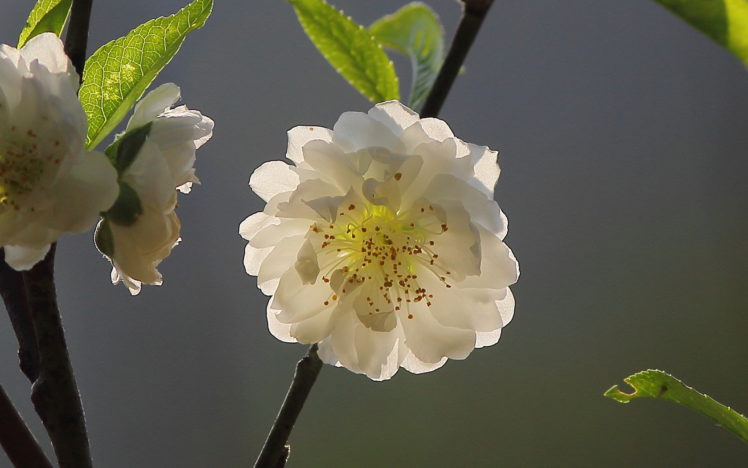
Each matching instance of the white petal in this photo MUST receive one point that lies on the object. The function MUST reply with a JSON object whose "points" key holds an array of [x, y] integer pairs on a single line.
{"points": [[499, 267], [153, 104], [48, 50], [23, 258], [272, 178], [254, 258], [150, 176], [282, 331], [300, 136], [485, 167], [254, 223], [277, 260], [414, 365], [430, 341], [87, 190], [394, 115], [355, 131]]}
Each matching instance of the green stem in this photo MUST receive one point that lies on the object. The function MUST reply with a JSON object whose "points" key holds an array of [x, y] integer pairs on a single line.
{"points": [[472, 17], [275, 451]]}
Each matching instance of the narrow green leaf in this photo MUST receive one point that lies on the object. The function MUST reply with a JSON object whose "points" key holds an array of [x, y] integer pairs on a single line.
{"points": [[125, 149], [658, 384], [414, 30], [725, 21], [46, 16], [349, 48], [119, 72]]}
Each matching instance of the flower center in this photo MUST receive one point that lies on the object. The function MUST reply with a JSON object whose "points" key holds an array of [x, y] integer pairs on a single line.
{"points": [[383, 251], [21, 166]]}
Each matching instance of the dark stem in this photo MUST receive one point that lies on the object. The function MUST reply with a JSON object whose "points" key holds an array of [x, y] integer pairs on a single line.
{"points": [[76, 39], [13, 292], [275, 451], [55, 393], [472, 17], [31, 302], [17, 440]]}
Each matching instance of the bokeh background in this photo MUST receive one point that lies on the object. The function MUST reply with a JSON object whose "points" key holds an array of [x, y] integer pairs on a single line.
{"points": [[623, 136]]}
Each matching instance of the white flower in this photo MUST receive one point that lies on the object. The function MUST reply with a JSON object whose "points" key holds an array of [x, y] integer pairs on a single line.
{"points": [[49, 183], [163, 164], [382, 242]]}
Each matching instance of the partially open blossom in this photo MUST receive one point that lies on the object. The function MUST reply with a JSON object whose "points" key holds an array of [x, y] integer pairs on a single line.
{"points": [[382, 243], [162, 163], [49, 183]]}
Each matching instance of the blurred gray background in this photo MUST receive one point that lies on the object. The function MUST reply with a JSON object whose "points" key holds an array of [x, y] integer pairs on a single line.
{"points": [[623, 136]]}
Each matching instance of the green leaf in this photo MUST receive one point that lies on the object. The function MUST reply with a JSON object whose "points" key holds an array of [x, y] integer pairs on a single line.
{"points": [[118, 73], [414, 30], [46, 16], [725, 21], [658, 384], [349, 48]]}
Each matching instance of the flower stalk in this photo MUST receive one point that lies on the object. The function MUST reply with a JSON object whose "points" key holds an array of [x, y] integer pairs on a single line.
{"points": [[13, 291], [275, 451], [55, 393], [474, 12]]}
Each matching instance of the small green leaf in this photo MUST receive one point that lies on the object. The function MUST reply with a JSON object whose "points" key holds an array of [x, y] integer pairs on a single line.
{"points": [[118, 73], [126, 148], [126, 209], [414, 30], [46, 16], [349, 48], [104, 239], [658, 384], [725, 21]]}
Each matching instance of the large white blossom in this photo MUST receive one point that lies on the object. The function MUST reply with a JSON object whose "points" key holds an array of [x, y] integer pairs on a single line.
{"points": [[382, 243], [49, 183], [163, 165]]}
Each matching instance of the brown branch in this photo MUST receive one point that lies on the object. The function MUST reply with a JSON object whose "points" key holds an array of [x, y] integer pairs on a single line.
{"points": [[13, 292], [472, 17], [17, 440], [55, 393], [275, 451]]}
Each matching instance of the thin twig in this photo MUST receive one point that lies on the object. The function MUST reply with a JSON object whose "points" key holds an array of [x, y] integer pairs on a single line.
{"points": [[472, 17], [76, 39], [13, 292], [17, 440], [55, 393], [275, 451]]}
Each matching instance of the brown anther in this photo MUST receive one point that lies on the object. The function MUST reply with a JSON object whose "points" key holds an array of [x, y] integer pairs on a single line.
{"points": [[398, 175]]}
